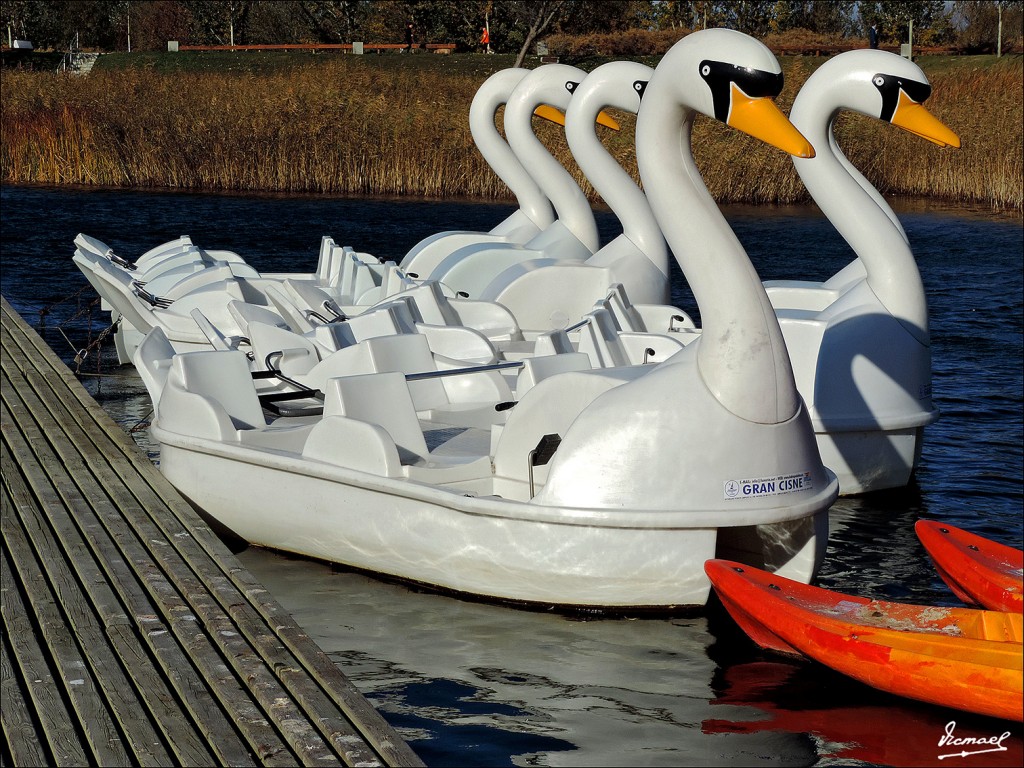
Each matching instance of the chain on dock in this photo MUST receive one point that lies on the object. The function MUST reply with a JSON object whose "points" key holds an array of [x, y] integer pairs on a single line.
{"points": [[85, 310]]}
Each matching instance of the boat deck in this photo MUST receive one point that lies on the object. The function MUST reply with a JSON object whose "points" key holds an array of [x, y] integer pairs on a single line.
{"points": [[131, 635]]}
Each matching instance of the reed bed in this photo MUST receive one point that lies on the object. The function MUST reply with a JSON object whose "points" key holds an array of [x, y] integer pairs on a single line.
{"points": [[342, 127]]}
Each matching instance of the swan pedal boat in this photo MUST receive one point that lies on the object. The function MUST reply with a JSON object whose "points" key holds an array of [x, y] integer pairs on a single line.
{"points": [[956, 657], [467, 510], [980, 571], [604, 488]]}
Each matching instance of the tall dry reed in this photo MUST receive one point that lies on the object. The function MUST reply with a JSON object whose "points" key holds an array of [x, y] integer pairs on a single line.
{"points": [[343, 127]]}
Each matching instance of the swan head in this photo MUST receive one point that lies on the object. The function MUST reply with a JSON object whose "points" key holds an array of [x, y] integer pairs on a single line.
{"points": [[549, 84], [618, 84], [730, 77], [878, 84]]}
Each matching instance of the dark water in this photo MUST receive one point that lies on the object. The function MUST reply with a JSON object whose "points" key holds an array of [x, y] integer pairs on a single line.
{"points": [[476, 684]]}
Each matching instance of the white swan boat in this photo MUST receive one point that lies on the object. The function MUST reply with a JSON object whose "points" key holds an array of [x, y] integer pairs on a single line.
{"points": [[603, 489], [859, 341]]}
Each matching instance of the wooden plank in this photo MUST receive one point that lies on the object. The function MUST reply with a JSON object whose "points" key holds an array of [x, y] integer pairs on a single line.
{"points": [[20, 745], [138, 695], [177, 583], [161, 526], [46, 674], [163, 617], [356, 716]]}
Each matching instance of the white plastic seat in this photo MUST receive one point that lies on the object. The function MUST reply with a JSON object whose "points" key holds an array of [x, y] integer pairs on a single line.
{"points": [[535, 369], [384, 400], [244, 313], [211, 395], [309, 298], [645, 318], [293, 315], [217, 339], [152, 360], [298, 354]]}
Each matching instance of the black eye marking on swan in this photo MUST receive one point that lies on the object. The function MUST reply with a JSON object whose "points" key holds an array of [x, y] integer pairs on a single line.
{"points": [[889, 86], [755, 83]]}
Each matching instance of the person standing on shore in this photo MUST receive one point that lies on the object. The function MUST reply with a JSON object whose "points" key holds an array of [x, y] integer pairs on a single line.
{"points": [[873, 36], [408, 37]]}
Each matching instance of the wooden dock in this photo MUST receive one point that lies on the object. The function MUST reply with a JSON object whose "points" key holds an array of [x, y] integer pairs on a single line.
{"points": [[131, 635]]}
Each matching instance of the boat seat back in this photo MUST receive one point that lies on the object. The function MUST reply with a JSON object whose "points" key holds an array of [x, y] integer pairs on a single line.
{"points": [[387, 320], [298, 353], [217, 339], [348, 274], [383, 399], [409, 353], [159, 252], [286, 308], [152, 360], [310, 298], [366, 279], [210, 394], [406, 315], [395, 280], [244, 313], [192, 281], [555, 342], [327, 265], [599, 340], [431, 304], [625, 314], [535, 369], [392, 280], [332, 337]]}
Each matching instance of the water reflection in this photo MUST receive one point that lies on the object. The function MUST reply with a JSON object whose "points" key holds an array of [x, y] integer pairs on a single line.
{"points": [[578, 692]]}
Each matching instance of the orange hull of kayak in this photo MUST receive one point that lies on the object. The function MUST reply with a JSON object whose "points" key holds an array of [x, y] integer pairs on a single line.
{"points": [[956, 657], [978, 570]]}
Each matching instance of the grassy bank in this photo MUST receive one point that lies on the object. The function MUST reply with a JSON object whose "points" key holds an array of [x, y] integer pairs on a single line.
{"points": [[379, 125]]}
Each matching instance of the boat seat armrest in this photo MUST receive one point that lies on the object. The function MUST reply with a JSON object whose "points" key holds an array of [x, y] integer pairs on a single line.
{"points": [[353, 444], [188, 413]]}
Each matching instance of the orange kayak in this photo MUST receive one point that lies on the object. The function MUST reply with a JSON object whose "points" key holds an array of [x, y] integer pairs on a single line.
{"points": [[978, 570], [963, 658]]}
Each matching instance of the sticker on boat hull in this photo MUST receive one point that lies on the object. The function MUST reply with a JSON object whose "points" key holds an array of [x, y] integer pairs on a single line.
{"points": [[778, 485]]}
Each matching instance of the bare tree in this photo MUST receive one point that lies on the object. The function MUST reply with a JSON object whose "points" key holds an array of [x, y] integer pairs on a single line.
{"points": [[537, 16]]}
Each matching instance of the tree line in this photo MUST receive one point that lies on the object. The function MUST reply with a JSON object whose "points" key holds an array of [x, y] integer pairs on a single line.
{"points": [[513, 25]]}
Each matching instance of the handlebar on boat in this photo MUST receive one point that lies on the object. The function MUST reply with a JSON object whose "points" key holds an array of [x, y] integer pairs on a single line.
{"points": [[578, 325], [460, 371]]}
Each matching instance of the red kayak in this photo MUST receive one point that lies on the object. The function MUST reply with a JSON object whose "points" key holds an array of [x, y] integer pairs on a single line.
{"points": [[978, 570], [963, 658]]}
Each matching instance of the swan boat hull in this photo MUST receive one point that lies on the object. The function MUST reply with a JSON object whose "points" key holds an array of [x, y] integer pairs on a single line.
{"points": [[978, 570], [955, 657], [476, 542]]}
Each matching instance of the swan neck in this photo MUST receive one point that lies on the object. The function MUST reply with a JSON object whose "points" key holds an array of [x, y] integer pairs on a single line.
{"points": [[618, 190], [503, 161], [741, 356], [867, 224], [571, 205]]}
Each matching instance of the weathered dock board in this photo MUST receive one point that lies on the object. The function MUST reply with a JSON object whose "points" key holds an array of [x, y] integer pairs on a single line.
{"points": [[131, 635]]}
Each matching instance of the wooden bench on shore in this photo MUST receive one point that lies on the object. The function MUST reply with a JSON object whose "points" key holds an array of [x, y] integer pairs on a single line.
{"points": [[131, 635], [344, 47]]}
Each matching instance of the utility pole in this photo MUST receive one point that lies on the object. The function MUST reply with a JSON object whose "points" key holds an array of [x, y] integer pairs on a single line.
{"points": [[129, 29]]}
